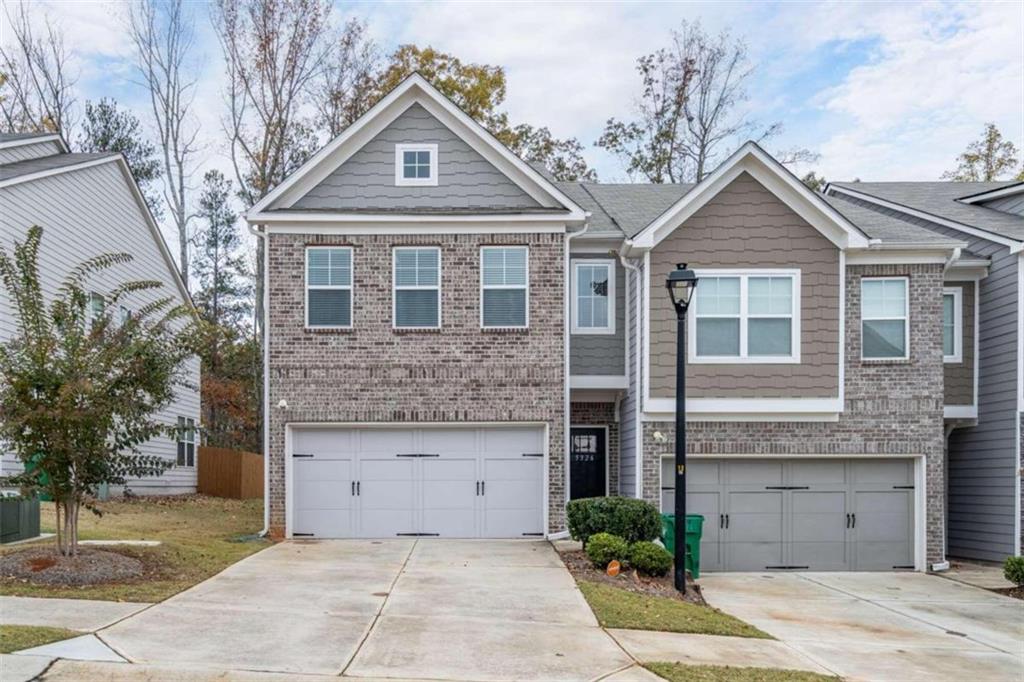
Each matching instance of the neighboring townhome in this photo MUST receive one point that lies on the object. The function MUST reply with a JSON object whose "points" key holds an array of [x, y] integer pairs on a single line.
{"points": [[457, 345], [87, 205], [983, 351]]}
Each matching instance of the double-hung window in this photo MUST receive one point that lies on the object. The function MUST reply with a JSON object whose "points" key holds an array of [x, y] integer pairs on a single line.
{"points": [[186, 442], [748, 317], [417, 287], [416, 165], [97, 306], [504, 287], [593, 298], [885, 316], [329, 287], [952, 324]]}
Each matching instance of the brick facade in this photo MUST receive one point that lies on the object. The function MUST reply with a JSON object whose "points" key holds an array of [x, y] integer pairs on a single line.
{"points": [[891, 407], [601, 414], [373, 373]]}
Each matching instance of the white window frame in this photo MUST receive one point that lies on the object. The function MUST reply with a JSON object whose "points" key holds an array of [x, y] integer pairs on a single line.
{"points": [[417, 287], [525, 287], [743, 358], [905, 318], [186, 436], [91, 314], [401, 180], [609, 329], [958, 325], [350, 286]]}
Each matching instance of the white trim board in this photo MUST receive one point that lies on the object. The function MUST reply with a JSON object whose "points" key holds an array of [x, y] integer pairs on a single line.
{"points": [[992, 194], [960, 411], [598, 381], [1016, 246], [760, 165], [415, 90], [33, 139], [574, 265], [351, 224]]}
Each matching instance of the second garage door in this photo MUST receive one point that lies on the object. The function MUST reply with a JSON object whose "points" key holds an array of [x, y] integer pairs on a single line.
{"points": [[801, 514], [432, 481]]}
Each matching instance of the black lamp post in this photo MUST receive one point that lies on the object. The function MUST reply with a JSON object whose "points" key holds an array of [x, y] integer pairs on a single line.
{"points": [[681, 284]]}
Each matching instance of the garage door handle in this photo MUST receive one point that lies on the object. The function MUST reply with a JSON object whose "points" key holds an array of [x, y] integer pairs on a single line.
{"points": [[721, 520], [853, 520], [478, 488], [726, 520], [353, 488], [483, 487]]}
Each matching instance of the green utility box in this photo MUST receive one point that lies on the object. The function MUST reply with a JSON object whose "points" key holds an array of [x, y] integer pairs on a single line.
{"points": [[694, 530], [19, 519]]}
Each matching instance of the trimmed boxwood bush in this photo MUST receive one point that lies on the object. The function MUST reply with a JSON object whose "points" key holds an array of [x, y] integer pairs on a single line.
{"points": [[1013, 570], [649, 558], [605, 547], [631, 519]]}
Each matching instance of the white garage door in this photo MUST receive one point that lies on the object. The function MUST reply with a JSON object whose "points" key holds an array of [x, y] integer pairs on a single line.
{"points": [[433, 481], [801, 514]]}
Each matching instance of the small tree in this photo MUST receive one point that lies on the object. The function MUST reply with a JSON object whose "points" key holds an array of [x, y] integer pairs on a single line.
{"points": [[80, 383], [986, 159]]}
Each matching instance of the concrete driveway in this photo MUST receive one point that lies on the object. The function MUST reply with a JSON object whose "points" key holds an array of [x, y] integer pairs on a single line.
{"points": [[875, 626], [437, 609]]}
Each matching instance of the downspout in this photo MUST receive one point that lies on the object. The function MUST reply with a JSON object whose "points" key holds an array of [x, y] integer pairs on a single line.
{"points": [[567, 312], [266, 377], [637, 399]]}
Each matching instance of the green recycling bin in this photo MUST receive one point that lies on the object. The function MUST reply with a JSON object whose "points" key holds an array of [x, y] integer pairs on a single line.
{"points": [[694, 530]]}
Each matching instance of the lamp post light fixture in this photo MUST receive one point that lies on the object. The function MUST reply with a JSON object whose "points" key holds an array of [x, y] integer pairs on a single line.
{"points": [[681, 284]]}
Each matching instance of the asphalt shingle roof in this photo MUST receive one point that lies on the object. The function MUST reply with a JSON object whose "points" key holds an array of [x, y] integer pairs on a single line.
{"points": [[11, 137], [623, 209], [45, 163], [940, 199], [890, 229]]}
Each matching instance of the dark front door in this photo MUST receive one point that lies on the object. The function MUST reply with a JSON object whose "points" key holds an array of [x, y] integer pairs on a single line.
{"points": [[587, 469]]}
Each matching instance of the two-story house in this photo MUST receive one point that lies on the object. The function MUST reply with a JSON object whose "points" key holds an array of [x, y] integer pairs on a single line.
{"points": [[456, 345], [984, 372], [88, 204]]}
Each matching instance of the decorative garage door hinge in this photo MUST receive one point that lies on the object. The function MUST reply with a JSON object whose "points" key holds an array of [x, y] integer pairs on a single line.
{"points": [[789, 568], [302, 535], [415, 454], [787, 487], [533, 454], [419, 535], [903, 487], [301, 454], [537, 535]]}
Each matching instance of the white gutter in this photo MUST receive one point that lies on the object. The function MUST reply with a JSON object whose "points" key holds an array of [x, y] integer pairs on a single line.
{"points": [[633, 339], [953, 258], [266, 378], [567, 313]]}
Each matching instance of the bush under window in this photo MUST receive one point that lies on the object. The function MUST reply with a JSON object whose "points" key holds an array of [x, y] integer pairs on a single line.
{"points": [[631, 519]]}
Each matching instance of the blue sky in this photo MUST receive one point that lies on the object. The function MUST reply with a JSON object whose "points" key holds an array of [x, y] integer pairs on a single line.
{"points": [[883, 91]]}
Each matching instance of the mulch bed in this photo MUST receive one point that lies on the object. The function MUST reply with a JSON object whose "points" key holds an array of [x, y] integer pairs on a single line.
{"points": [[1015, 592], [581, 569], [45, 566]]}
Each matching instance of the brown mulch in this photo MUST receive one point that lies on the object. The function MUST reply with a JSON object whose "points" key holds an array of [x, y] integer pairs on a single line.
{"points": [[661, 586], [45, 566], [1015, 592]]}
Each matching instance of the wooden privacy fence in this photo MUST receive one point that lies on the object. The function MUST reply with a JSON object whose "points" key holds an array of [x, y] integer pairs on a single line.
{"points": [[230, 473]]}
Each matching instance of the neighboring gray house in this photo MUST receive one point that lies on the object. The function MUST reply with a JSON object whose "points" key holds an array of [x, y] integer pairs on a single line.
{"points": [[457, 345], [89, 204], [984, 377]]}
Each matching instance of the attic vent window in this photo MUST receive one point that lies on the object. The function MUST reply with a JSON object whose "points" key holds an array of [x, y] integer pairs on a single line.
{"points": [[416, 165]]}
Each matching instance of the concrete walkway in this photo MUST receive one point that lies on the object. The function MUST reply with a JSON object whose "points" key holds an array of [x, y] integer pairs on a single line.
{"points": [[872, 626], [85, 615], [454, 610]]}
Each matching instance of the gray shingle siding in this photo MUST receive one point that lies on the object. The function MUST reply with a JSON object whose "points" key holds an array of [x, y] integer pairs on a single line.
{"points": [[982, 458], [367, 179], [601, 354], [24, 152], [628, 409]]}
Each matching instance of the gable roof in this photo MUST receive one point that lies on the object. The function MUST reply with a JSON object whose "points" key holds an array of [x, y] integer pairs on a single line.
{"points": [[940, 203], [34, 169], [890, 230], [18, 139], [997, 193], [776, 178], [413, 90]]}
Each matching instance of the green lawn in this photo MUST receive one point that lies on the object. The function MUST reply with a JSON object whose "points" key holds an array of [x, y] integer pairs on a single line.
{"points": [[618, 608], [18, 637], [677, 672], [199, 537]]}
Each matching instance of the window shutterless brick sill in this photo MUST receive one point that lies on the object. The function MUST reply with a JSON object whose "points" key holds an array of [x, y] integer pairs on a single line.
{"points": [[315, 330], [415, 330], [505, 330], [886, 361]]}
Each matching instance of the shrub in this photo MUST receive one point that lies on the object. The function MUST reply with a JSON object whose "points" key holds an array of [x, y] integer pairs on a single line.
{"points": [[605, 547], [649, 558], [631, 519], [1013, 570]]}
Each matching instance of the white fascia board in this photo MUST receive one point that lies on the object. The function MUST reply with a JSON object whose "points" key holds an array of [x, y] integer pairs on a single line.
{"points": [[39, 175], [1015, 245], [750, 158], [993, 194], [960, 411], [414, 89], [894, 256], [412, 227], [746, 406], [303, 218], [587, 381], [40, 139]]}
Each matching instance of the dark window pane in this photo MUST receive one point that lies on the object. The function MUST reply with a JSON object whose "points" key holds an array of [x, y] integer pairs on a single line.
{"points": [[416, 308], [504, 308], [330, 307], [718, 336], [423, 171], [409, 171], [883, 339], [408, 158], [771, 336]]}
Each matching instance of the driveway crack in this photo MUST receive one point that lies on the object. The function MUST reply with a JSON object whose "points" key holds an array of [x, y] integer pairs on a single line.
{"points": [[376, 616]]}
